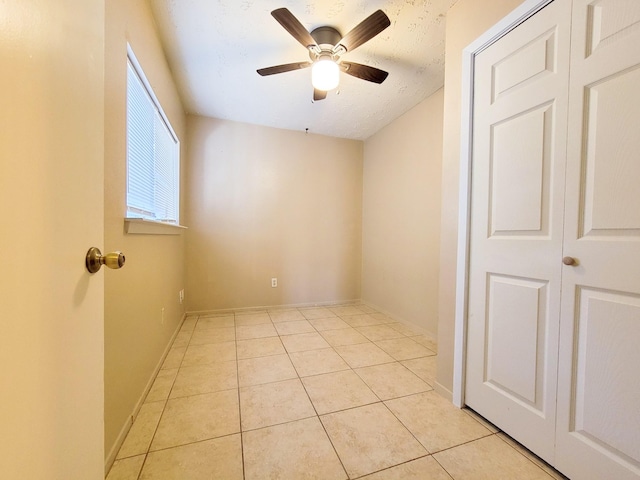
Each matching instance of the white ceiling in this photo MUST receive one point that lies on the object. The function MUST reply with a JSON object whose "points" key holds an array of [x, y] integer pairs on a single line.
{"points": [[215, 46]]}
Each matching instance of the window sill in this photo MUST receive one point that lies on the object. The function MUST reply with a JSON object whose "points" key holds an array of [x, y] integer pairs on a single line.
{"points": [[141, 226]]}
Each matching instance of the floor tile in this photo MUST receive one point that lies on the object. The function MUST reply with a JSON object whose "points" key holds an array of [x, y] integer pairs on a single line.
{"points": [[249, 311], [295, 450], [162, 385], [317, 312], [173, 358], [404, 348], [292, 328], [425, 468], [142, 430], [247, 332], [365, 308], [391, 380], [483, 421], [248, 319], [220, 321], [383, 417], [488, 459], [336, 391], [314, 362], [189, 323], [426, 342], [126, 469], [304, 341], [344, 336], [213, 335], [382, 318], [370, 438], [219, 313], [274, 403], [199, 417], [285, 316], [217, 458], [182, 339], [424, 367], [256, 371], [205, 379], [259, 347], [407, 330], [361, 320], [379, 332], [331, 323], [435, 422], [553, 473], [345, 310], [363, 355], [209, 353]]}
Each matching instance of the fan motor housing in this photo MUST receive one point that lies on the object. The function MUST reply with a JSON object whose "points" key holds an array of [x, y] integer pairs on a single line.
{"points": [[326, 38]]}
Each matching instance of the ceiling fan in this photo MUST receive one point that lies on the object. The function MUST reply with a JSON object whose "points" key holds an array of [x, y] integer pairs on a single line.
{"points": [[326, 47]]}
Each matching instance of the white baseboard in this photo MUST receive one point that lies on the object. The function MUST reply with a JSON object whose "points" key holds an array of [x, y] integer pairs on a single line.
{"points": [[273, 307], [442, 391], [111, 457]]}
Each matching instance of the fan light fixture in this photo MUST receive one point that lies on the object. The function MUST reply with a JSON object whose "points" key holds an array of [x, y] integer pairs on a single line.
{"points": [[326, 47], [325, 74]]}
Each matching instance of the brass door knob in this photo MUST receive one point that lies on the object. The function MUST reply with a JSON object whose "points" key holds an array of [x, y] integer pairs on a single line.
{"points": [[95, 260], [570, 261]]}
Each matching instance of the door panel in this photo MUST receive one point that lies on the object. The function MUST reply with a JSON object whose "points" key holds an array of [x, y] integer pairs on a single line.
{"points": [[598, 426], [517, 199], [520, 189], [51, 205], [516, 310], [607, 21], [606, 359], [525, 65], [611, 190]]}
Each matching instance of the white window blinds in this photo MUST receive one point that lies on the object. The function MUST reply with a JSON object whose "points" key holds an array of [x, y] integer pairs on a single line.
{"points": [[153, 155]]}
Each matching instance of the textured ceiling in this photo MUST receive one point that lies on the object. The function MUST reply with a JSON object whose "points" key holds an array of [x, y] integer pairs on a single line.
{"points": [[215, 46]]}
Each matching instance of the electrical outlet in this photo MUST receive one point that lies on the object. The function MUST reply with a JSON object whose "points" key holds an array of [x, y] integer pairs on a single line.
{"points": [[181, 296], [274, 282]]}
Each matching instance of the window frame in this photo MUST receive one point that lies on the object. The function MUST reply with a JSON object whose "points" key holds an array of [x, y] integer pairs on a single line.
{"points": [[136, 216]]}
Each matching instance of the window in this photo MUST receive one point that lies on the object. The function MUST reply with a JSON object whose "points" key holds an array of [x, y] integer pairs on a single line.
{"points": [[153, 153]]}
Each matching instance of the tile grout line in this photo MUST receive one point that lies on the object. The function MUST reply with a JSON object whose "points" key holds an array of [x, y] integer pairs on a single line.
{"points": [[235, 340], [166, 401]]}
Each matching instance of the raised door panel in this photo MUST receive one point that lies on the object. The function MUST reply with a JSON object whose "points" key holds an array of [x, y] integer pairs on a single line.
{"points": [[605, 385], [519, 173], [611, 193], [515, 329], [608, 21]]}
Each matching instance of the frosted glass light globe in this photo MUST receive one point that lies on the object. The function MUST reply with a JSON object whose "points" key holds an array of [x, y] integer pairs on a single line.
{"points": [[325, 74]]}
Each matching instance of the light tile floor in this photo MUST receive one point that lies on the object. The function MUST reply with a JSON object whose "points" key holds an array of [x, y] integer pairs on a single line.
{"points": [[325, 393]]}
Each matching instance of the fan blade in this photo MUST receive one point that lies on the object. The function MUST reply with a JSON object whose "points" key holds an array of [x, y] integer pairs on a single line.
{"points": [[365, 72], [292, 25], [287, 67], [319, 94], [364, 31]]}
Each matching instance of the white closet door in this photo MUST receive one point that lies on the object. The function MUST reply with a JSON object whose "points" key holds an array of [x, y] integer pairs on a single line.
{"points": [[598, 429], [519, 132]]}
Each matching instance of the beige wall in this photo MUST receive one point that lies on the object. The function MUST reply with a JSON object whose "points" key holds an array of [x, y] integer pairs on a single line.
{"points": [[466, 21], [401, 215], [263, 203], [135, 337]]}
